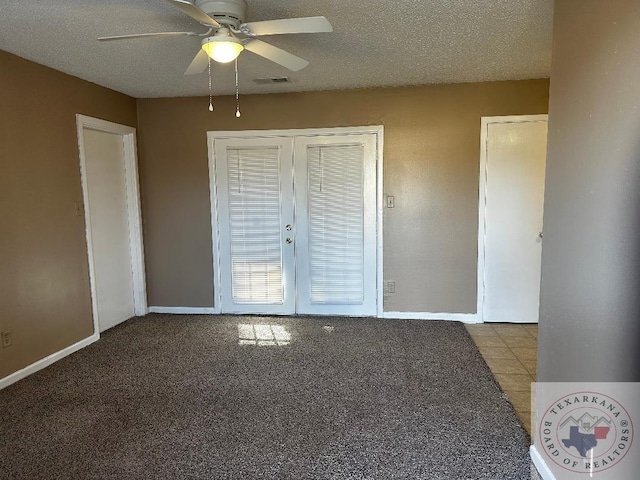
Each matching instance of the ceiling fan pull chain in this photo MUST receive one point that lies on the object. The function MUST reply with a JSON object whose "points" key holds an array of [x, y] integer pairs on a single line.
{"points": [[237, 92], [210, 103]]}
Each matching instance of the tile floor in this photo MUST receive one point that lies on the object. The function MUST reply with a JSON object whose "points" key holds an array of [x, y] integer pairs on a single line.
{"points": [[510, 350]]}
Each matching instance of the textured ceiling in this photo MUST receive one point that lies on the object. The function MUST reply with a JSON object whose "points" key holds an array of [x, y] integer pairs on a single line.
{"points": [[375, 43]]}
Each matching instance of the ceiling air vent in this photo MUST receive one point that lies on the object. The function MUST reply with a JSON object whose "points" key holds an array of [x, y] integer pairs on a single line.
{"points": [[268, 81]]}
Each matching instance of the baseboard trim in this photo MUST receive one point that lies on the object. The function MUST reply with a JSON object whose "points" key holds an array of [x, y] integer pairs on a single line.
{"points": [[455, 317], [45, 362], [184, 310], [540, 464]]}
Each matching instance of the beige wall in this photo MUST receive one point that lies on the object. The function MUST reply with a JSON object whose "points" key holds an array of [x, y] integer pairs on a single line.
{"points": [[431, 163], [590, 289], [44, 278], [431, 167]]}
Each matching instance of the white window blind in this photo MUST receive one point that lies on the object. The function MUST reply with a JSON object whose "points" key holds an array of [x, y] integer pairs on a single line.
{"points": [[255, 225], [336, 224]]}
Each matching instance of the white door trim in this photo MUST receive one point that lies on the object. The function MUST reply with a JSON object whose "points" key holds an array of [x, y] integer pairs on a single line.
{"points": [[377, 130], [213, 202], [482, 195], [133, 206]]}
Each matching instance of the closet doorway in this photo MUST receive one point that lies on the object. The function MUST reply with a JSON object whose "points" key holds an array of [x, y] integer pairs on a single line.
{"points": [[109, 173], [512, 174]]}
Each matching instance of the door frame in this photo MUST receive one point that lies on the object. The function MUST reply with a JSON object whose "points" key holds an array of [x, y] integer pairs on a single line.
{"points": [[128, 135], [212, 136], [482, 195]]}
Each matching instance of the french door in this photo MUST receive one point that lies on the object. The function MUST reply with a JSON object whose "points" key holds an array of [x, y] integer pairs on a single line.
{"points": [[255, 225], [296, 224]]}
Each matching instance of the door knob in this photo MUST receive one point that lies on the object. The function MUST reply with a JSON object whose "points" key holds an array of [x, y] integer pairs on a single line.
{"points": [[289, 240], [540, 235], [288, 227]]}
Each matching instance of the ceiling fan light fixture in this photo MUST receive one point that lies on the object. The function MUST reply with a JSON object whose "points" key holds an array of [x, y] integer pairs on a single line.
{"points": [[222, 49]]}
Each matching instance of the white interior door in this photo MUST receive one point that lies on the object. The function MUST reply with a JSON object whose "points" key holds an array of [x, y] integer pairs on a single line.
{"points": [[109, 226], [312, 252], [513, 179], [335, 224], [255, 207]]}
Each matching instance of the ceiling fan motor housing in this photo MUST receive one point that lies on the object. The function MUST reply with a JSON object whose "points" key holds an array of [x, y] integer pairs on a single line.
{"points": [[227, 12]]}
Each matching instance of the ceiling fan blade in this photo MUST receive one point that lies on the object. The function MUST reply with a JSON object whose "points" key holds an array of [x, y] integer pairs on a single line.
{"points": [[194, 12], [289, 25], [143, 35], [199, 63], [276, 55]]}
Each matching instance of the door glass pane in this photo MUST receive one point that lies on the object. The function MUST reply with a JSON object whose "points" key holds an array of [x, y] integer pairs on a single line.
{"points": [[336, 224], [255, 225]]}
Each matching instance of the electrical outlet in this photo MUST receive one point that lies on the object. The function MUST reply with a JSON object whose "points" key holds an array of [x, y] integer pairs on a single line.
{"points": [[6, 338], [389, 287], [392, 287]]}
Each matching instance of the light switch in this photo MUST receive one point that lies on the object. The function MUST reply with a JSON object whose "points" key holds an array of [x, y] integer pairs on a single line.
{"points": [[391, 201]]}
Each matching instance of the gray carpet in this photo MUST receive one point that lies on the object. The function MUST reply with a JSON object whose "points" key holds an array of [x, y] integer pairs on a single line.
{"points": [[177, 397]]}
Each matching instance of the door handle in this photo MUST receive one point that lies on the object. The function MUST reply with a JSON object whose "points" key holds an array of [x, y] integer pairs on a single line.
{"points": [[540, 235]]}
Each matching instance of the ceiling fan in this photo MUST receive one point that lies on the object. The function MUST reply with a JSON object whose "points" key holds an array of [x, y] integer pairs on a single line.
{"points": [[228, 34]]}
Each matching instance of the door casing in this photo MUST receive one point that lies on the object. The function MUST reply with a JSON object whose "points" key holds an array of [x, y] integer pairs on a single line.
{"points": [[377, 130], [128, 135]]}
